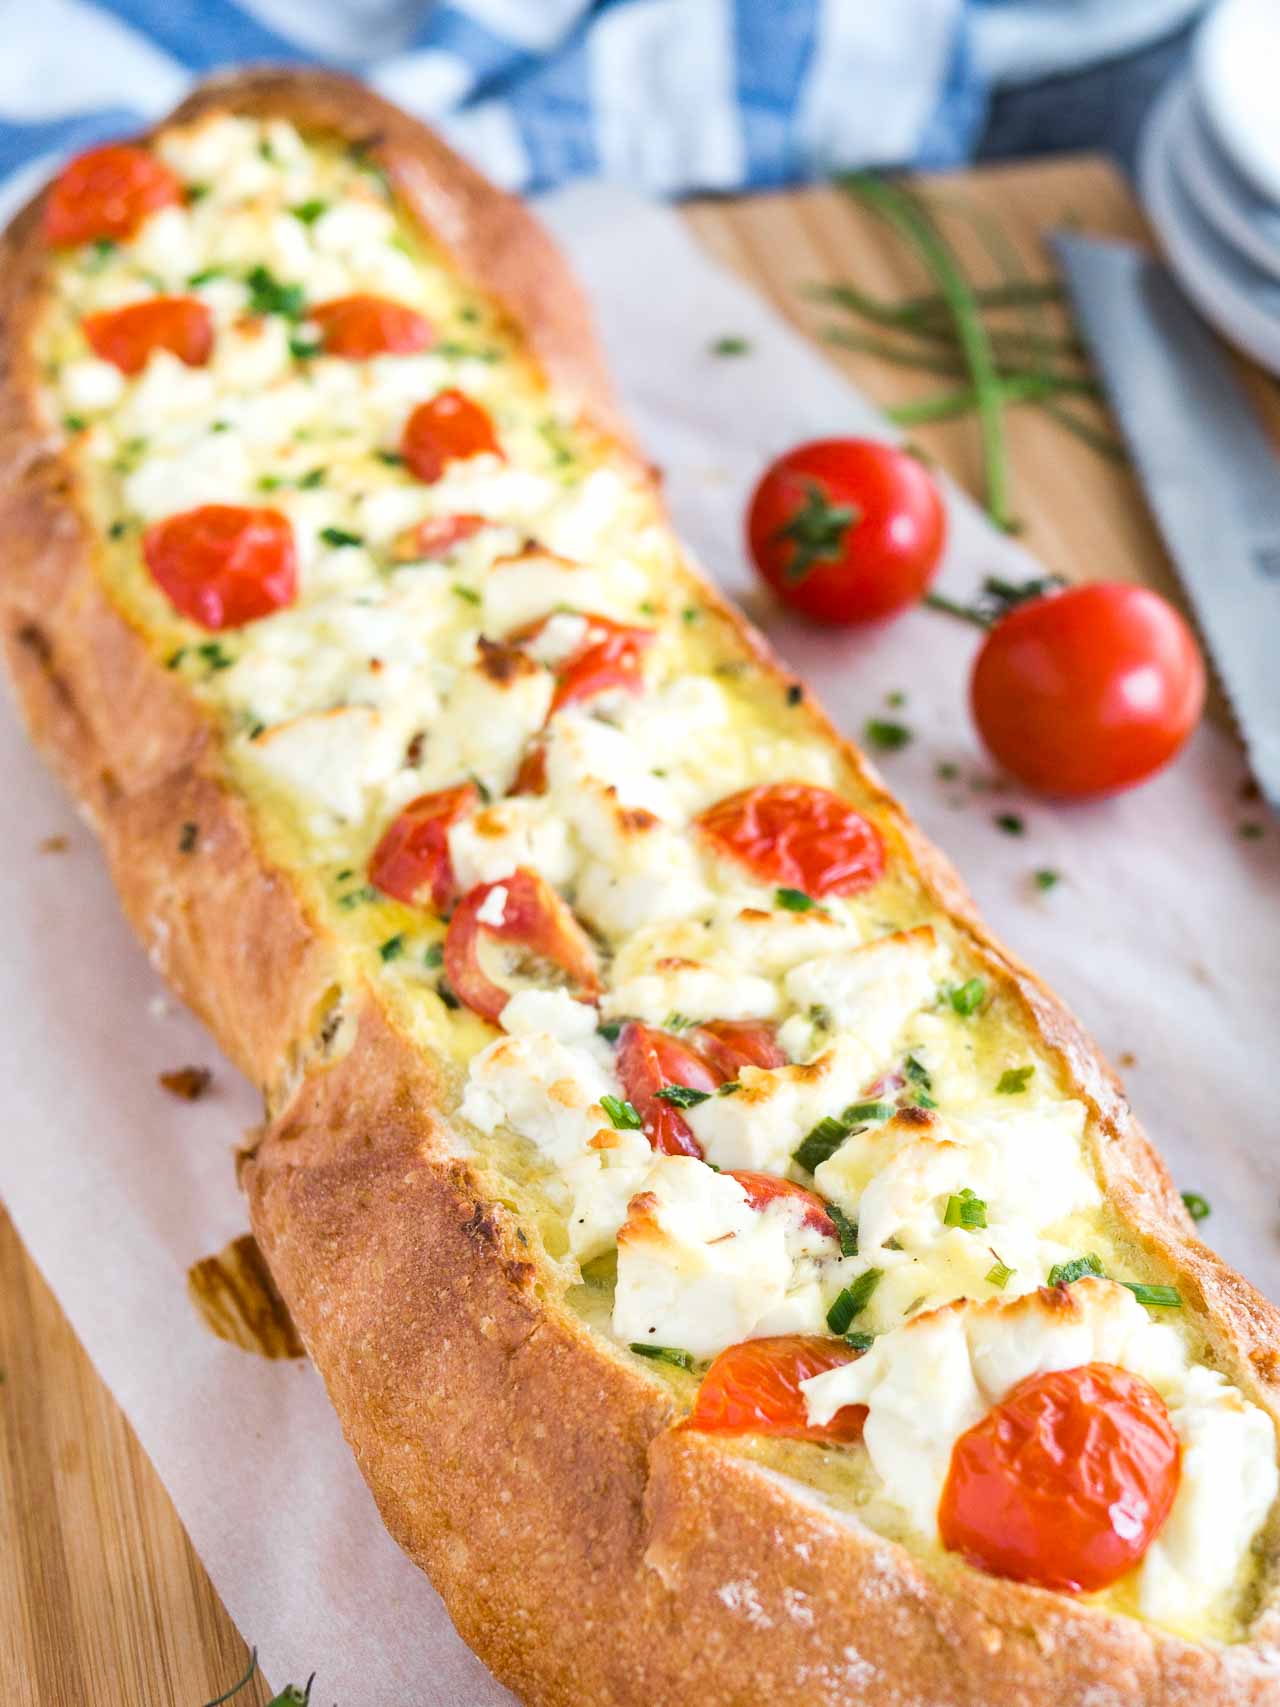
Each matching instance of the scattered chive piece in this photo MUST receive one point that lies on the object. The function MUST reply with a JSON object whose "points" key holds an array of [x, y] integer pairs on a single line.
{"points": [[1250, 832], [677, 1022], [1013, 1080], [732, 345], [1155, 1297], [311, 479], [434, 955], [467, 593], [1064, 1273], [308, 212], [857, 1112], [175, 658], [965, 1210], [853, 1300], [690, 614], [1198, 1208], [795, 693], [946, 771], [860, 1341], [611, 1030], [729, 1087], [214, 655], [206, 275], [392, 948], [267, 295], [357, 897], [846, 1230], [623, 1117], [74, 423], [1047, 878], [999, 1274], [794, 900], [100, 252], [446, 995], [1010, 823], [682, 1096], [340, 536], [342, 876], [825, 1139], [917, 1072], [967, 998], [664, 1354], [896, 699], [883, 733], [187, 838], [303, 349], [392, 458], [117, 530]]}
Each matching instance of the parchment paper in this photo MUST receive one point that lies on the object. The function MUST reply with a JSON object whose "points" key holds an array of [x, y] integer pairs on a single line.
{"points": [[1164, 934]]}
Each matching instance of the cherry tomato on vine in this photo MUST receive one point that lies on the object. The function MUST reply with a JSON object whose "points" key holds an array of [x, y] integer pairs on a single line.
{"points": [[1066, 1482], [1088, 691], [847, 530]]}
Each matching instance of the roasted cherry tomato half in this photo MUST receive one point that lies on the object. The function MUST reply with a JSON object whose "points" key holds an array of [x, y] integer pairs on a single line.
{"points": [[221, 565], [648, 1061], [754, 1388], [847, 530], [412, 856], [531, 917], [1088, 691], [764, 1189], [730, 1044], [436, 537], [798, 836], [107, 193], [358, 327], [610, 658], [1066, 1482], [448, 428], [127, 336]]}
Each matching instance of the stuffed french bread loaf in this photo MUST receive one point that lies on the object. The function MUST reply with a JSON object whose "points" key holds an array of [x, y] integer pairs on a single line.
{"points": [[738, 1279]]}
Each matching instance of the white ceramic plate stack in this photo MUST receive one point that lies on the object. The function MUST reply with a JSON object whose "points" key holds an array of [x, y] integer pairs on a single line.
{"points": [[1210, 175]]}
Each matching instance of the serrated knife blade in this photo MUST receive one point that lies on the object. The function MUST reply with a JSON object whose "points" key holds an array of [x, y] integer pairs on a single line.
{"points": [[1211, 475]]}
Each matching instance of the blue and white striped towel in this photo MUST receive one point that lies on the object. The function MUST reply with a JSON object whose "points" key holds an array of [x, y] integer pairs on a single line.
{"points": [[666, 95]]}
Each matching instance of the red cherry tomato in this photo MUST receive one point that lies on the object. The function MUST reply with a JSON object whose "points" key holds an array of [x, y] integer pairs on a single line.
{"points": [[107, 193], [534, 919], [437, 536], [731, 1044], [798, 836], [764, 1189], [648, 1061], [1088, 691], [847, 530], [222, 565], [610, 656], [413, 852], [127, 336], [448, 428], [359, 327], [754, 1388], [1066, 1483]]}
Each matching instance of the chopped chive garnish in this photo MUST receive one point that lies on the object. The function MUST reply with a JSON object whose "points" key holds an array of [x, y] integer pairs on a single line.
{"points": [[859, 1341], [622, 1115], [187, 838], [214, 655], [467, 593], [1065, 1273], [267, 295], [611, 1030], [446, 995], [897, 699], [340, 536], [690, 614], [1198, 1208], [311, 479], [434, 955], [999, 1274], [731, 345], [883, 733], [825, 1139], [1047, 878], [967, 1210], [794, 900], [795, 693], [682, 1096], [1010, 823], [946, 771], [117, 530], [1250, 831], [664, 1354], [729, 1087], [853, 1300], [309, 211], [677, 1022], [846, 1230], [1013, 1080], [392, 948], [967, 998], [304, 349], [1155, 1297], [858, 1112], [357, 897], [205, 276], [392, 458]]}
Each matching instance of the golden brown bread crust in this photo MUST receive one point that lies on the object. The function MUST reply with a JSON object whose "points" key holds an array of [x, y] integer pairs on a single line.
{"points": [[587, 1551]]}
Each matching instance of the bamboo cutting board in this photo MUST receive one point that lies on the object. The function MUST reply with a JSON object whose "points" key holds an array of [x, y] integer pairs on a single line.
{"points": [[103, 1602]]}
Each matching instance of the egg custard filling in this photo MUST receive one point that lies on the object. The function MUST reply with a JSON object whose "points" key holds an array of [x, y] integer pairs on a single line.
{"points": [[787, 1143]]}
